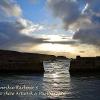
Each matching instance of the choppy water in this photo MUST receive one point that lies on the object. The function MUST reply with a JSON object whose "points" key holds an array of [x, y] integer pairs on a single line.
{"points": [[56, 83]]}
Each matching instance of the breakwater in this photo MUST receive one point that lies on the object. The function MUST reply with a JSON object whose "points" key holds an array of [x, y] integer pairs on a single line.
{"points": [[85, 64]]}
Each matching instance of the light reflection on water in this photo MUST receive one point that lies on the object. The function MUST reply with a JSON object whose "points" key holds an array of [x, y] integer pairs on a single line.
{"points": [[56, 83], [57, 79]]}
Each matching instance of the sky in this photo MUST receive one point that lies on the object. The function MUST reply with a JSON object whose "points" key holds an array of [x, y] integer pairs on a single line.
{"points": [[59, 27]]}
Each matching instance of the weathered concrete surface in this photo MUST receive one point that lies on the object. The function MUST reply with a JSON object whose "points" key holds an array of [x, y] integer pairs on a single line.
{"points": [[85, 64], [12, 61]]}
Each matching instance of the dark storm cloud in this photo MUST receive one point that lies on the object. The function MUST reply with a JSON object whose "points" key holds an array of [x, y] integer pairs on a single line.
{"points": [[67, 10], [91, 34], [70, 11], [84, 21], [88, 36], [70, 42], [10, 35]]}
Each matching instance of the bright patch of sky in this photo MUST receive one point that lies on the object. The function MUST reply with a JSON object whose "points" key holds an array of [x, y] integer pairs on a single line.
{"points": [[33, 10], [36, 11]]}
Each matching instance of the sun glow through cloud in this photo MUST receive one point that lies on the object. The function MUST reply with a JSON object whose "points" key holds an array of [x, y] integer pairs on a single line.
{"points": [[55, 38], [65, 49], [55, 47]]}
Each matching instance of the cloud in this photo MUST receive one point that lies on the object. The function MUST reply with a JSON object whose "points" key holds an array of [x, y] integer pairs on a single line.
{"points": [[59, 39], [88, 36], [67, 10], [15, 31], [74, 16], [70, 42], [82, 17], [28, 27], [91, 33], [12, 34], [9, 8]]}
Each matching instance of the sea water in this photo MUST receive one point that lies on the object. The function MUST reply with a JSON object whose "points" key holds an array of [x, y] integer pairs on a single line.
{"points": [[55, 84]]}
